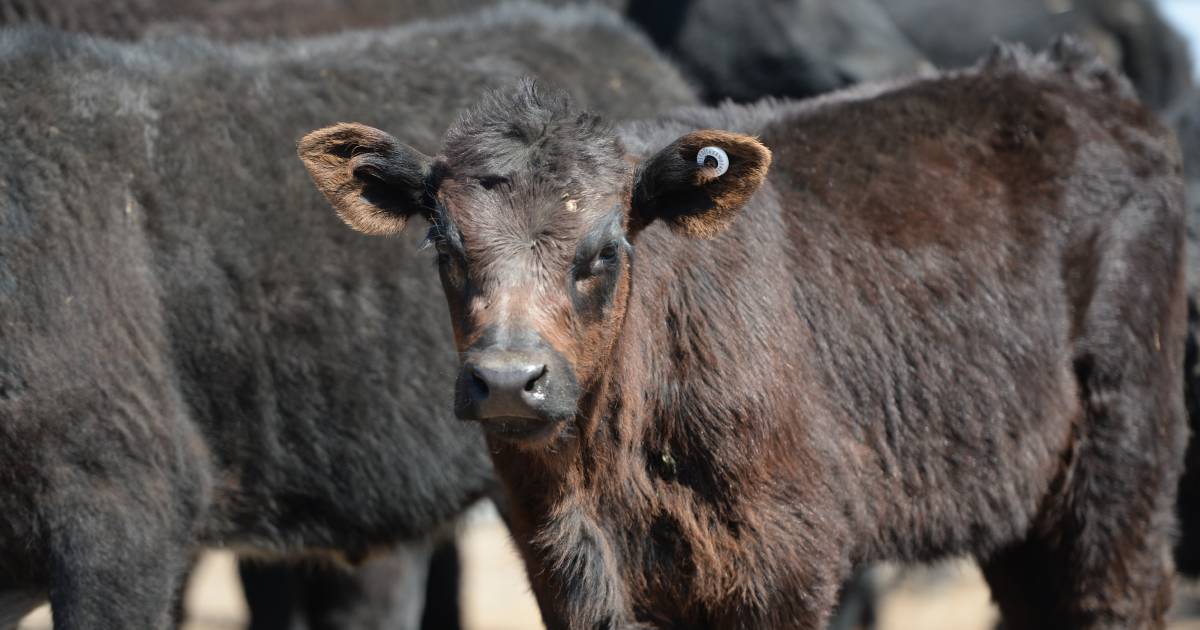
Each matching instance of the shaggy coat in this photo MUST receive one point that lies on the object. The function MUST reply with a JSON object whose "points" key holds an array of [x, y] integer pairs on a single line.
{"points": [[1131, 34], [740, 49], [949, 321], [193, 351], [748, 49]]}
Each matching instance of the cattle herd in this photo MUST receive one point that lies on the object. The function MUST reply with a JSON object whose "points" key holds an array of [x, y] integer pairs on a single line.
{"points": [[737, 298]]}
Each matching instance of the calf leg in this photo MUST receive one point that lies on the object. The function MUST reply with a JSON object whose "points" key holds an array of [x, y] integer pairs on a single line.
{"points": [[442, 589], [859, 599], [179, 610], [119, 537], [387, 591], [1099, 557], [1087, 576], [272, 590], [108, 570], [1102, 559]]}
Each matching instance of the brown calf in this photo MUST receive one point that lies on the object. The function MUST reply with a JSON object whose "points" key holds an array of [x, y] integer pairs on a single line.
{"points": [[949, 322]]}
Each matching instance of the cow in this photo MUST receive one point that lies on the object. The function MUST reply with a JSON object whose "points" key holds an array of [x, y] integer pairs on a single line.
{"points": [[725, 355], [226, 19], [747, 49], [193, 352], [1130, 33], [270, 605], [739, 49]]}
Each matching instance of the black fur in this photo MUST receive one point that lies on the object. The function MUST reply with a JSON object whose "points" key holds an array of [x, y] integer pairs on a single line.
{"points": [[1131, 34], [389, 591], [386, 592], [748, 49], [193, 351], [740, 49]]}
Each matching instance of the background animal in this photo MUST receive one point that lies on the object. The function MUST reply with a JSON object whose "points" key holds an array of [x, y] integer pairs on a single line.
{"points": [[171, 291], [1131, 34], [740, 49]]}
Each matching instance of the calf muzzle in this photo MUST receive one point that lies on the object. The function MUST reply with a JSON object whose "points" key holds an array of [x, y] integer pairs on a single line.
{"points": [[518, 394]]}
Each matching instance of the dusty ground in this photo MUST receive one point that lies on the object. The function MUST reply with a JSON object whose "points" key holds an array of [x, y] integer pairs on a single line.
{"points": [[497, 595]]}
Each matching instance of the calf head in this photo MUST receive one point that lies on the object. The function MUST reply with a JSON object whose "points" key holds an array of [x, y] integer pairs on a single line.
{"points": [[533, 211]]}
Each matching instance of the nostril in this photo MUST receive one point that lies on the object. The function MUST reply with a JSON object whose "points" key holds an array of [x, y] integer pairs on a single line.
{"points": [[537, 375], [479, 387]]}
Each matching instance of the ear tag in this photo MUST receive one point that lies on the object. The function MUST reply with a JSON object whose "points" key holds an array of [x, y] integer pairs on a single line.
{"points": [[713, 158]]}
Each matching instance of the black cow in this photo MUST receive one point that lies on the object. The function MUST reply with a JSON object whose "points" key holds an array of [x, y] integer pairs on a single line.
{"points": [[226, 19], [192, 352], [1130, 33], [740, 49], [251, 19], [748, 49]]}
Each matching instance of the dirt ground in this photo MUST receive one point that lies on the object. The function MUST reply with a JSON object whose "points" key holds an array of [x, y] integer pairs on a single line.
{"points": [[496, 594]]}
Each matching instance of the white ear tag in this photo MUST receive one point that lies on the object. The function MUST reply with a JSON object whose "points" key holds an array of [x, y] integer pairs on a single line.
{"points": [[714, 158]]}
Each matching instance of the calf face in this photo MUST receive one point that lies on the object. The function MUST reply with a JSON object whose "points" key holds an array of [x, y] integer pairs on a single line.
{"points": [[533, 212]]}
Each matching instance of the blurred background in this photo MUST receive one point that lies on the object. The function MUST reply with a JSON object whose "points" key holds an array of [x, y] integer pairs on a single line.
{"points": [[1185, 16], [494, 590]]}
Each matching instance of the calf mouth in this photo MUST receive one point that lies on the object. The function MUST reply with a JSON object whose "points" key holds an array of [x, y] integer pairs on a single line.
{"points": [[522, 430]]}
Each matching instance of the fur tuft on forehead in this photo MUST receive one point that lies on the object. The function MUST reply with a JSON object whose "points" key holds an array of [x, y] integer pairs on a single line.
{"points": [[532, 129]]}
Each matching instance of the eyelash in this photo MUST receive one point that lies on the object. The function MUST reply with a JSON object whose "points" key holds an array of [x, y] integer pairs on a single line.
{"points": [[433, 236], [435, 239]]}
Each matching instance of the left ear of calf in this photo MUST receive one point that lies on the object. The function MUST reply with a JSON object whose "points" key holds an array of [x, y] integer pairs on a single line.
{"points": [[693, 196], [374, 182]]}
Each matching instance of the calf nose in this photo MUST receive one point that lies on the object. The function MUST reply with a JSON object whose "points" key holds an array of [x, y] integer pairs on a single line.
{"points": [[506, 387]]}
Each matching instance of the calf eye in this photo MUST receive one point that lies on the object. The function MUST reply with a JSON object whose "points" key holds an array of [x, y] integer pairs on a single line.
{"points": [[604, 260]]}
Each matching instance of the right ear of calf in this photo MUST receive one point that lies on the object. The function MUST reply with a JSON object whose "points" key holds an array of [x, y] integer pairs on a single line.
{"points": [[374, 182]]}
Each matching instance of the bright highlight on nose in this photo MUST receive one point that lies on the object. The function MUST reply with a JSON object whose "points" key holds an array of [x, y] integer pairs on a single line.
{"points": [[506, 386]]}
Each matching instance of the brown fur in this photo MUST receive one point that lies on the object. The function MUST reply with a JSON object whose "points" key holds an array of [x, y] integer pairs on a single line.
{"points": [[337, 159], [915, 341], [749, 161]]}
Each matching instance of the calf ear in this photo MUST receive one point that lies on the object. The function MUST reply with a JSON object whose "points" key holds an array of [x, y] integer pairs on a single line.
{"points": [[374, 182], [698, 183]]}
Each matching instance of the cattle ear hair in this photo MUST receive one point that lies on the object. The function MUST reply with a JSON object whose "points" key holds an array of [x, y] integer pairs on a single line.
{"points": [[698, 183], [374, 182]]}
